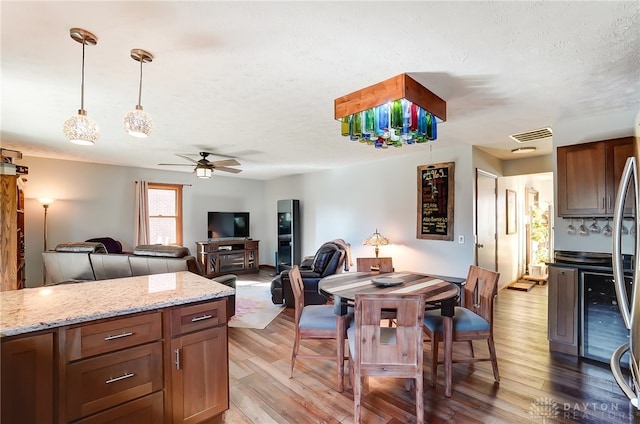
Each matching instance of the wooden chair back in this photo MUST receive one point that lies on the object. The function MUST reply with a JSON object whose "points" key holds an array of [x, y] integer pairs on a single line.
{"points": [[298, 291], [395, 351], [383, 351], [480, 290]]}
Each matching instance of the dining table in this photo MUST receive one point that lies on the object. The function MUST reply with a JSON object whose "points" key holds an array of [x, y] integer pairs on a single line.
{"points": [[440, 292]]}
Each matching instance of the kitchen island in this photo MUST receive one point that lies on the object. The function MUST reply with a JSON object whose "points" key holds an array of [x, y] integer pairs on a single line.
{"points": [[116, 351]]}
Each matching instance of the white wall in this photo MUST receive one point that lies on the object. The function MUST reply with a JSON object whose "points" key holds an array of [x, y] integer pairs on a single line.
{"points": [[350, 203], [94, 200]]}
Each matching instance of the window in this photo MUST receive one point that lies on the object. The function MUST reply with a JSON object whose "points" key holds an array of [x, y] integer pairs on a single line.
{"points": [[165, 213]]}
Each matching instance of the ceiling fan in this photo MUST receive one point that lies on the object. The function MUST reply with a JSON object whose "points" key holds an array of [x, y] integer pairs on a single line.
{"points": [[204, 168]]}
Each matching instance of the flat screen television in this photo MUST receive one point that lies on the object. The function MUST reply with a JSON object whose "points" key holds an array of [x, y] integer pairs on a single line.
{"points": [[228, 225]]}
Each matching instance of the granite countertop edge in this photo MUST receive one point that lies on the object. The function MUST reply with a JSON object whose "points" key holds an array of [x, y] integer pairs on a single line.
{"points": [[18, 326]]}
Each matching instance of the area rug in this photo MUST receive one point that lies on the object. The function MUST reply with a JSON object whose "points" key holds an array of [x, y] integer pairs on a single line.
{"points": [[254, 308]]}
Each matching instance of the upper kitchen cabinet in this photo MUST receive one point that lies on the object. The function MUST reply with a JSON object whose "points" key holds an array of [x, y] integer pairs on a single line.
{"points": [[588, 176]]}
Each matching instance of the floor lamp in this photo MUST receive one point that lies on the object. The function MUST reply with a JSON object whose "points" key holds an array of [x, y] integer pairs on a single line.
{"points": [[45, 201]]}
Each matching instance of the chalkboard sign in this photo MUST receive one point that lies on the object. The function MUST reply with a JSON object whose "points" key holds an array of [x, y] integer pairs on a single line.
{"points": [[435, 201]]}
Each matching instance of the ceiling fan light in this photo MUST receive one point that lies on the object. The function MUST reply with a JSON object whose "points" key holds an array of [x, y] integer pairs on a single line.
{"points": [[81, 129], [203, 172], [138, 123]]}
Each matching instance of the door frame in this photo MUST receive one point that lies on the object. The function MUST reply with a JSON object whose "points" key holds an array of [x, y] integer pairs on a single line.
{"points": [[475, 224]]}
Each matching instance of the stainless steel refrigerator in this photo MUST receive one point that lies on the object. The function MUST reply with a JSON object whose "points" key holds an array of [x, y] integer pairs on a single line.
{"points": [[629, 307]]}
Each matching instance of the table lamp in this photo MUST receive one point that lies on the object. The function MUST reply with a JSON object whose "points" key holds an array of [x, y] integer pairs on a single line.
{"points": [[376, 240]]}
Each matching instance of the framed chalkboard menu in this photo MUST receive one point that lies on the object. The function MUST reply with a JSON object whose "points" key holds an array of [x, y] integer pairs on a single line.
{"points": [[435, 201]]}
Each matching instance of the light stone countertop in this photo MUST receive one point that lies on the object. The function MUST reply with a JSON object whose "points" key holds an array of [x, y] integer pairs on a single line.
{"points": [[39, 308]]}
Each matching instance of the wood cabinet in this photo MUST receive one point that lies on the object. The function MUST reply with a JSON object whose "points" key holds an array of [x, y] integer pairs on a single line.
{"points": [[110, 363], [228, 256], [27, 388], [146, 410], [563, 310], [164, 366], [199, 362], [588, 176], [12, 234], [103, 352]]}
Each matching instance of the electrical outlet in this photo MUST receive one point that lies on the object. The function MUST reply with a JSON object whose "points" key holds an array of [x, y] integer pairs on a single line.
{"points": [[461, 239]]}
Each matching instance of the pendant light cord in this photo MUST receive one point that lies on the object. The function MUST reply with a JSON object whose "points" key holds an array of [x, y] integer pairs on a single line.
{"points": [[140, 87], [82, 83]]}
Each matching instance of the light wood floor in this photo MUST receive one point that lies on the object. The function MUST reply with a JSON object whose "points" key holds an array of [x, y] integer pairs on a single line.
{"points": [[535, 386]]}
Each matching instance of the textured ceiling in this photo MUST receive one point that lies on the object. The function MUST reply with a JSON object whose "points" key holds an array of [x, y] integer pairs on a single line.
{"points": [[257, 80]]}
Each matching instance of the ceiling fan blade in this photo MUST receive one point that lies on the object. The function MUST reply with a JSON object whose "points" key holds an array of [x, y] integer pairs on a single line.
{"points": [[225, 169], [175, 164], [186, 157], [227, 162]]}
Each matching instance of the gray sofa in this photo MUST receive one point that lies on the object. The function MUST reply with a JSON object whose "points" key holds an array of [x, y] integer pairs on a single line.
{"points": [[89, 261]]}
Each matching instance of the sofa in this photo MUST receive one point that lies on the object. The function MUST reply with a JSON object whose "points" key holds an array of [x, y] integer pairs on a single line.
{"points": [[331, 258], [76, 262]]}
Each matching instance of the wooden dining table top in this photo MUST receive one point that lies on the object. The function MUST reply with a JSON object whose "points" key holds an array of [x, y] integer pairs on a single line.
{"points": [[436, 289]]}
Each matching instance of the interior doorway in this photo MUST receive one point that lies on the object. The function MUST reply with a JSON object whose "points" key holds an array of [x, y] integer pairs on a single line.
{"points": [[486, 220], [538, 235]]}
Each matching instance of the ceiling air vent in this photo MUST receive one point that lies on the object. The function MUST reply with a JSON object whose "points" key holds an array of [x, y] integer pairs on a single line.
{"points": [[529, 136]]}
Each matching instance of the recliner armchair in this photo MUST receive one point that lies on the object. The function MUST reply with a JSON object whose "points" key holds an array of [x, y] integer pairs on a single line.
{"points": [[328, 260]]}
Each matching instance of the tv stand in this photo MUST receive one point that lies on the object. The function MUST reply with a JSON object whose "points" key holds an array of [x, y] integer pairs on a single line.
{"points": [[228, 256]]}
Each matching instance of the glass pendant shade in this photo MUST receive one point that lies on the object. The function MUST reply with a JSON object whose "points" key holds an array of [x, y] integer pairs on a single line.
{"points": [[203, 172], [138, 123], [80, 129]]}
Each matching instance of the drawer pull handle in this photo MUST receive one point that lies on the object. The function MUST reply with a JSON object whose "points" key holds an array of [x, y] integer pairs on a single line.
{"points": [[203, 317], [122, 377], [118, 336]]}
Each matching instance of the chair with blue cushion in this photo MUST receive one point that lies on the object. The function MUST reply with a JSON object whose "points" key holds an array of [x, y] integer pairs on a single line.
{"points": [[472, 321], [380, 351], [317, 322]]}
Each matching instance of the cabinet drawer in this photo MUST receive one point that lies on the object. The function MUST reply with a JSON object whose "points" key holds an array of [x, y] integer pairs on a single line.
{"points": [[95, 339], [198, 317], [108, 380], [146, 410]]}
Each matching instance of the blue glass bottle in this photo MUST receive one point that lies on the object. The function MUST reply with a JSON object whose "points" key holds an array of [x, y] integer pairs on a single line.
{"points": [[382, 115]]}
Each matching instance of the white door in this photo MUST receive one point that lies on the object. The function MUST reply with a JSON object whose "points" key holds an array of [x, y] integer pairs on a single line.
{"points": [[486, 236]]}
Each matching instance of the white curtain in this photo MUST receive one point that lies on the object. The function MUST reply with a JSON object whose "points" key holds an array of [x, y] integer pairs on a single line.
{"points": [[141, 229]]}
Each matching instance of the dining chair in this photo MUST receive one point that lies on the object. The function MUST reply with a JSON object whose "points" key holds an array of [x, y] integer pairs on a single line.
{"points": [[380, 351], [472, 321], [317, 322]]}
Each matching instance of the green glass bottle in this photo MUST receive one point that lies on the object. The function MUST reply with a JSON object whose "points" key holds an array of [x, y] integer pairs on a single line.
{"points": [[396, 115], [355, 129], [344, 126]]}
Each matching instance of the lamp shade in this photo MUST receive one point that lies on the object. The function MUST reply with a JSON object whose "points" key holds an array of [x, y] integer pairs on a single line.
{"points": [[376, 240], [81, 129], [46, 201], [138, 123]]}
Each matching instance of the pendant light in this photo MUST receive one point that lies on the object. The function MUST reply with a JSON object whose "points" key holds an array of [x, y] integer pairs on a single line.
{"points": [[80, 129], [394, 112], [137, 122]]}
